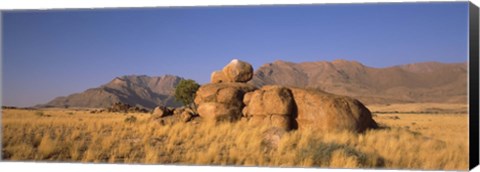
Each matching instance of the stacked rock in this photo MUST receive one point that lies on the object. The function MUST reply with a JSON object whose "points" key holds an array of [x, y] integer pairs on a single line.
{"points": [[222, 100]]}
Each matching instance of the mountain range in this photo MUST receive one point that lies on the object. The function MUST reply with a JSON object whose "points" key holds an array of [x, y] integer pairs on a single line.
{"points": [[419, 82], [136, 90]]}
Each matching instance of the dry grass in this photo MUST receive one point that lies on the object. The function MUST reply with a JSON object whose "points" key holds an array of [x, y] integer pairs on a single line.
{"points": [[421, 108], [410, 141]]}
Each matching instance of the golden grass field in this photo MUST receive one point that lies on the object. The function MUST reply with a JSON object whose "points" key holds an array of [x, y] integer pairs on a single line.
{"points": [[409, 139]]}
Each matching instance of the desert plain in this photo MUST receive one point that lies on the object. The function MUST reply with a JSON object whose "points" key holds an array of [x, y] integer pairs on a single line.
{"points": [[428, 136]]}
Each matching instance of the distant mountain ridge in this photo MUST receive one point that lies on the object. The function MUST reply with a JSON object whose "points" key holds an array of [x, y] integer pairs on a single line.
{"points": [[137, 90], [410, 83], [419, 82]]}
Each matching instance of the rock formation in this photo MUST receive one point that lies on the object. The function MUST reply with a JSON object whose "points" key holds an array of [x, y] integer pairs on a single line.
{"points": [[229, 98], [221, 101]]}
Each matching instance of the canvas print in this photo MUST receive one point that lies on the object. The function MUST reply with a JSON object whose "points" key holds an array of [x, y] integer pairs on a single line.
{"points": [[376, 86]]}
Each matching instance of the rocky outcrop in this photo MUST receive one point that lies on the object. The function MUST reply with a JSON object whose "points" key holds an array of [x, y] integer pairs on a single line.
{"points": [[228, 98], [221, 101]]}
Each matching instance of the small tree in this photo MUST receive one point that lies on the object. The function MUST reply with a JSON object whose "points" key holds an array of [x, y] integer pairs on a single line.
{"points": [[185, 92]]}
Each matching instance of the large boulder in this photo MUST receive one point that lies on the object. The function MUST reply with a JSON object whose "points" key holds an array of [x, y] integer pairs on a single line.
{"points": [[290, 108], [221, 101], [322, 111], [237, 71], [270, 105], [269, 100]]}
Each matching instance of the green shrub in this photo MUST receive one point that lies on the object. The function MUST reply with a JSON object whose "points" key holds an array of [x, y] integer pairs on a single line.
{"points": [[185, 91]]}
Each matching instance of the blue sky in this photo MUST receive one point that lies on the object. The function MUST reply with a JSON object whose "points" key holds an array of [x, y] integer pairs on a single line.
{"points": [[55, 53]]}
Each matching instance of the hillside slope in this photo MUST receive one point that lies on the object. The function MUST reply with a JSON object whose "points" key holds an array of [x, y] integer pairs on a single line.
{"points": [[420, 82], [143, 91]]}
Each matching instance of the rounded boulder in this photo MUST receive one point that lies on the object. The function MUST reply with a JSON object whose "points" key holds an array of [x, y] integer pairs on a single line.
{"points": [[238, 71], [323, 111]]}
